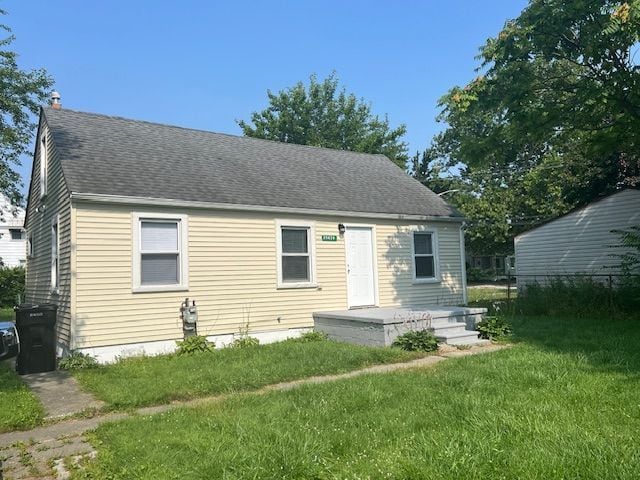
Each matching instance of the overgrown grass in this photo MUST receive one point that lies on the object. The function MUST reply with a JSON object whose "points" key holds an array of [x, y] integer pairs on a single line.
{"points": [[580, 296], [562, 403], [136, 382], [19, 408]]}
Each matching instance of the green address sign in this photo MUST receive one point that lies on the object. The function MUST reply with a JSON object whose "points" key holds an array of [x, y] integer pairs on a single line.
{"points": [[329, 238]]}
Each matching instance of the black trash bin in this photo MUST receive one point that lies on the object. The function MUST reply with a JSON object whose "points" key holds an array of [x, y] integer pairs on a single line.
{"points": [[36, 329]]}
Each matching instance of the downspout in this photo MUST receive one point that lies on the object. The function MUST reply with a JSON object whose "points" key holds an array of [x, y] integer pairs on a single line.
{"points": [[463, 265], [73, 239]]}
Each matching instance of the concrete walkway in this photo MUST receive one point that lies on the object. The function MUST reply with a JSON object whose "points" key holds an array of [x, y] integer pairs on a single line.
{"points": [[60, 394], [31, 453]]}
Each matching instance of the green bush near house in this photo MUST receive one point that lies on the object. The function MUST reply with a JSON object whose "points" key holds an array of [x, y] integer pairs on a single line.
{"points": [[417, 341], [77, 361], [195, 344], [11, 286], [312, 336], [245, 341], [494, 328]]}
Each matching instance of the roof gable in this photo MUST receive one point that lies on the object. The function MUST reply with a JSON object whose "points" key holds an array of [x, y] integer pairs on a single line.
{"points": [[585, 210], [106, 155]]}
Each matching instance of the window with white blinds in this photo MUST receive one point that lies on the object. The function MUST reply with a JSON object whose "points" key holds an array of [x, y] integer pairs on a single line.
{"points": [[160, 261], [160, 253], [295, 255]]}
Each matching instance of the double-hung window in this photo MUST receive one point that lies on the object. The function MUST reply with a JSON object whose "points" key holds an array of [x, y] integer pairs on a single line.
{"points": [[55, 261], [160, 253], [425, 263], [295, 255]]}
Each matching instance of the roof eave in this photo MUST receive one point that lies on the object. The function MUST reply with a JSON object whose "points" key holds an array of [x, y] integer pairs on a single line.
{"points": [[173, 203]]}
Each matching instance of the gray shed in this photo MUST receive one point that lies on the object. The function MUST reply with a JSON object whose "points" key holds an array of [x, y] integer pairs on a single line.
{"points": [[580, 242]]}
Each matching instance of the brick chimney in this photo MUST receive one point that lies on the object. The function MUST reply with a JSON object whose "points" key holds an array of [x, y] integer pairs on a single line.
{"points": [[55, 100]]}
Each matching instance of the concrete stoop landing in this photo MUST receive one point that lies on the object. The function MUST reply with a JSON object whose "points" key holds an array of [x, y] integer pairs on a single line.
{"points": [[381, 326]]}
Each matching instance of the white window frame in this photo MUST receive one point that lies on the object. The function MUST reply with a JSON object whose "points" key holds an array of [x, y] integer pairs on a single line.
{"points": [[11, 230], [311, 244], [436, 261], [42, 147], [55, 254], [183, 246]]}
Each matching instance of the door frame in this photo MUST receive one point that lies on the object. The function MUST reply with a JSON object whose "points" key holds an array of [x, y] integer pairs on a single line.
{"points": [[374, 263]]}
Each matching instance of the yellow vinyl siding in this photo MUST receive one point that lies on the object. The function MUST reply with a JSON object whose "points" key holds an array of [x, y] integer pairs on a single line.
{"points": [[232, 275], [395, 266], [38, 223]]}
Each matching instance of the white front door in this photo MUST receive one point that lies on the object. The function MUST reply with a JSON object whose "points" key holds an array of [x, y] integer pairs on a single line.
{"points": [[360, 272]]}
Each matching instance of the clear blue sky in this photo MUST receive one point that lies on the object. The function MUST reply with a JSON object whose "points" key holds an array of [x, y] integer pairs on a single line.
{"points": [[204, 64]]}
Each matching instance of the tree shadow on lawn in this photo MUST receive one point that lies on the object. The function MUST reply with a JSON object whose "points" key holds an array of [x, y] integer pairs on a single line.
{"points": [[608, 344]]}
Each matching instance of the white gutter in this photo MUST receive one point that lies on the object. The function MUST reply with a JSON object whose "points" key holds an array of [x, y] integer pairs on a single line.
{"points": [[463, 266], [166, 202]]}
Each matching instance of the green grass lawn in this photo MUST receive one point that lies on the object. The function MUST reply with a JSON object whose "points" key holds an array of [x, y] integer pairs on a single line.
{"points": [[144, 381], [562, 403], [487, 294], [19, 408]]}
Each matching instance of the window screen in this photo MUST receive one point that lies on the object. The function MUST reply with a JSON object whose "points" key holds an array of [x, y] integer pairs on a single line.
{"points": [[296, 260], [424, 259]]}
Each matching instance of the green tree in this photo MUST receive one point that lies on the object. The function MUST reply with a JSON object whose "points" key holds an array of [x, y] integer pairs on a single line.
{"points": [[498, 202], [323, 114], [21, 94], [553, 120]]}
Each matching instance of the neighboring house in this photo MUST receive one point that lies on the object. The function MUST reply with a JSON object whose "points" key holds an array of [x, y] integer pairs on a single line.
{"points": [[580, 242], [128, 218], [490, 267], [13, 242]]}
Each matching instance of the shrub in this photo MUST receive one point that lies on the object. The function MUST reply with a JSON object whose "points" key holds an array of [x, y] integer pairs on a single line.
{"points": [[417, 341], [474, 274], [245, 341], [11, 286], [77, 361], [312, 336], [195, 344], [494, 328]]}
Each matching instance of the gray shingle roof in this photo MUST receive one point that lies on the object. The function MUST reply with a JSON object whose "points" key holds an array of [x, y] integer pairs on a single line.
{"points": [[116, 156]]}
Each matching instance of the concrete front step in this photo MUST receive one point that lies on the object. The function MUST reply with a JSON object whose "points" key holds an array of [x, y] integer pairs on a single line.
{"points": [[381, 326], [445, 329], [464, 337]]}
